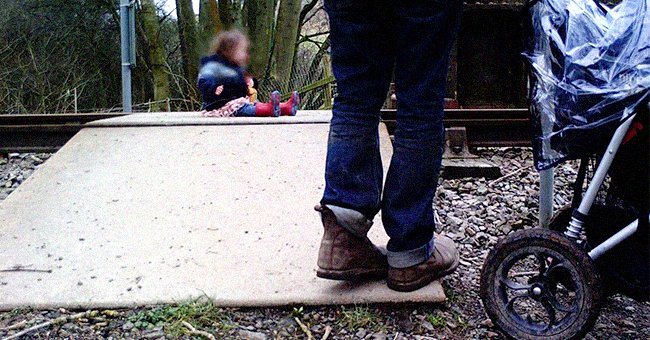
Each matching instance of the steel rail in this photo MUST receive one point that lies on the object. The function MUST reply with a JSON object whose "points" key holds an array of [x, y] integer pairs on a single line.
{"points": [[49, 132]]}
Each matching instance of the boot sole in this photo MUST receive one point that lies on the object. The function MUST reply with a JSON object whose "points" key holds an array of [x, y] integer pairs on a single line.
{"points": [[352, 274], [422, 281]]}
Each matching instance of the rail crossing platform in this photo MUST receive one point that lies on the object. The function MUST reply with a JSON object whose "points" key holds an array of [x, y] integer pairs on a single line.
{"points": [[165, 207]]}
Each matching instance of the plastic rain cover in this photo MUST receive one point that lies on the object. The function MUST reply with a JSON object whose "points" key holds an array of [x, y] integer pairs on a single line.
{"points": [[590, 68]]}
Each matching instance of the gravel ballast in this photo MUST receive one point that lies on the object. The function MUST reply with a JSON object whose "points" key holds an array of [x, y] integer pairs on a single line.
{"points": [[15, 168], [474, 212]]}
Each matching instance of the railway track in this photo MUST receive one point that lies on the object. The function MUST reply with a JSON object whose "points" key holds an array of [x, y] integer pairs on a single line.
{"points": [[42, 133], [485, 127], [47, 133]]}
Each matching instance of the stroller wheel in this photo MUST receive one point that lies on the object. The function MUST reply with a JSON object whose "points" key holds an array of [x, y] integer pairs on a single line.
{"points": [[537, 284]]}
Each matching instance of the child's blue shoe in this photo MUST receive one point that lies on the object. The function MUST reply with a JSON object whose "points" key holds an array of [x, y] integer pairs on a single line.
{"points": [[275, 101], [295, 102]]}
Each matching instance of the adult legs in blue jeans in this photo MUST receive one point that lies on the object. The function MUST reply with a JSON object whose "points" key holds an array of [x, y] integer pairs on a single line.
{"points": [[368, 38]]}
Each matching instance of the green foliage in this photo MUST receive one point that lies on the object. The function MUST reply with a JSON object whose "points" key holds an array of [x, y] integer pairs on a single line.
{"points": [[359, 317], [298, 312], [201, 314], [151, 318], [451, 295], [62, 55], [17, 311], [459, 320], [51, 47], [437, 320]]}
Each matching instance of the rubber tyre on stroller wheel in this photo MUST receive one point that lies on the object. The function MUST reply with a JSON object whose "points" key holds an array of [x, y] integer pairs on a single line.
{"points": [[561, 270]]}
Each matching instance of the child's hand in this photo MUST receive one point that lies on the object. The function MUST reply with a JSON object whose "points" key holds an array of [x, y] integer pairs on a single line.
{"points": [[218, 90]]}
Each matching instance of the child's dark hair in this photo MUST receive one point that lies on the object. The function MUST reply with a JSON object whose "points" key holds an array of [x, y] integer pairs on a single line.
{"points": [[256, 83], [225, 42]]}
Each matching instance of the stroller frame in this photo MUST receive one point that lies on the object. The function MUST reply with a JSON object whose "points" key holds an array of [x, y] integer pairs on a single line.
{"points": [[552, 267], [575, 228], [545, 283]]}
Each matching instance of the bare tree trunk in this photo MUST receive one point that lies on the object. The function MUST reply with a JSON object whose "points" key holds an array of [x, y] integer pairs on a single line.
{"points": [[318, 57], [230, 13], [306, 9], [285, 40], [187, 37], [156, 54], [237, 13], [225, 7], [260, 26], [209, 24]]}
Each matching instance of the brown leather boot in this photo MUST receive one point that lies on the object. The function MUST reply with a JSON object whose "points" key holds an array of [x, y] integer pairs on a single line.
{"points": [[442, 262], [345, 256]]}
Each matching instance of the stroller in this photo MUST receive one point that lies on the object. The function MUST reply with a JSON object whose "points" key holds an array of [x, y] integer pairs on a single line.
{"points": [[589, 92]]}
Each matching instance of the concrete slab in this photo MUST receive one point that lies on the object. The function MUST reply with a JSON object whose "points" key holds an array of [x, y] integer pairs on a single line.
{"points": [[195, 118], [141, 215]]}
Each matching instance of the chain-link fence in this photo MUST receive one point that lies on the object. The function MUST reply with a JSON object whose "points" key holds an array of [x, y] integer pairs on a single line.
{"points": [[311, 76]]}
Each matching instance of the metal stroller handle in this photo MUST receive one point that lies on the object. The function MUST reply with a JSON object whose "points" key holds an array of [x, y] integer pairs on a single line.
{"points": [[614, 240], [576, 225]]}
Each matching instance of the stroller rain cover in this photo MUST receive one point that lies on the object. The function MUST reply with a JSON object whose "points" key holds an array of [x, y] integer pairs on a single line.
{"points": [[590, 69]]}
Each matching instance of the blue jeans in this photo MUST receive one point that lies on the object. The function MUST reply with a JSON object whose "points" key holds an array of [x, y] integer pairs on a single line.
{"points": [[248, 110], [369, 39]]}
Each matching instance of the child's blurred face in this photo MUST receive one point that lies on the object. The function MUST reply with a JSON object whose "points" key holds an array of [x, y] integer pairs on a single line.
{"points": [[240, 54]]}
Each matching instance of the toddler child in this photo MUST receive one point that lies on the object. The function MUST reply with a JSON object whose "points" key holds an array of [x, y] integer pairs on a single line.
{"points": [[225, 90]]}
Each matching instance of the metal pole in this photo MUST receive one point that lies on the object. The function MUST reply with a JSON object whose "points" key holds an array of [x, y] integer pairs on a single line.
{"points": [[546, 178], [614, 240], [546, 193], [603, 167], [576, 225], [125, 42]]}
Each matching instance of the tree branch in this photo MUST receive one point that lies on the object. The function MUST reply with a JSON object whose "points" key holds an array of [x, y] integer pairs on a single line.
{"points": [[59, 320], [194, 331], [312, 15], [305, 10], [309, 37]]}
